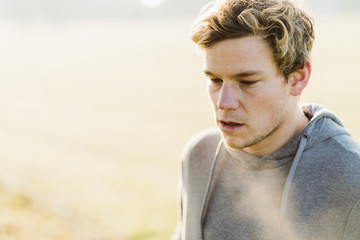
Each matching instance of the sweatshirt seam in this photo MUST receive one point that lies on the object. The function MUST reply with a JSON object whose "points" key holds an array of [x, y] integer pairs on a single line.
{"points": [[345, 147], [347, 219]]}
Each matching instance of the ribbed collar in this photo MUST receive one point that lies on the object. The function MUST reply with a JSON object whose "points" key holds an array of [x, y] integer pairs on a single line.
{"points": [[274, 160]]}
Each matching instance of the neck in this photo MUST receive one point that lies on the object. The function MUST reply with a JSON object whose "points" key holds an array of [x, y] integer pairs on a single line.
{"points": [[286, 130]]}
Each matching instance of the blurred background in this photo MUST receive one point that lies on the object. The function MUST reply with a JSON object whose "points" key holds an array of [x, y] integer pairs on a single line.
{"points": [[98, 98]]}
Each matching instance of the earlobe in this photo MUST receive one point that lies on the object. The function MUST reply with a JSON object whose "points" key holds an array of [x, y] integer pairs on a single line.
{"points": [[299, 79]]}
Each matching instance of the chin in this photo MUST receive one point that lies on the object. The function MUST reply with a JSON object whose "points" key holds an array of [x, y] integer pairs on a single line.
{"points": [[234, 143], [241, 143]]}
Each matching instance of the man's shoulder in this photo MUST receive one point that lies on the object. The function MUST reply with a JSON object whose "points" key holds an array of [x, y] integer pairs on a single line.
{"points": [[202, 145], [338, 157], [343, 165], [347, 153], [197, 158], [348, 144]]}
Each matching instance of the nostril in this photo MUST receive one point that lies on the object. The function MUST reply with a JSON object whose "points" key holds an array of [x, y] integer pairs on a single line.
{"points": [[227, 96], [227, 102]]}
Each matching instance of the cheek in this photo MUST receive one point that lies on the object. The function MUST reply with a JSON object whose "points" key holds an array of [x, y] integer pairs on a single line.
{"points": [[268, 107], [278, 109]]}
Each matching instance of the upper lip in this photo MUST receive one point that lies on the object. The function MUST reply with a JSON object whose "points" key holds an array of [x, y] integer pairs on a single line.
{"points": [[229, 121]]}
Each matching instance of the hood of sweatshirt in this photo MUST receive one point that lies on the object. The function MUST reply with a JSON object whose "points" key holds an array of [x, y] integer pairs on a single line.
{"points": [[323, 124]]}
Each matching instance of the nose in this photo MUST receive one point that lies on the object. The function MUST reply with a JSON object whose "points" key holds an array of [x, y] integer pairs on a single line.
{"points": [[228, 98]]}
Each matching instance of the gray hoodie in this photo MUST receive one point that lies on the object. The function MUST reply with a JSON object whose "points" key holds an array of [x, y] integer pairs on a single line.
{"points": [[308, 189]]}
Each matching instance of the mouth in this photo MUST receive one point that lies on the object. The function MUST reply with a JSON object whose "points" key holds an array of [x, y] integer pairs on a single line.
{"points": [[228, 126], [231, 123]]}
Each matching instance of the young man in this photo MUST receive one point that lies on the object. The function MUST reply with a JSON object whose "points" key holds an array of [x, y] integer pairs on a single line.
{"points": [[273, 169]]}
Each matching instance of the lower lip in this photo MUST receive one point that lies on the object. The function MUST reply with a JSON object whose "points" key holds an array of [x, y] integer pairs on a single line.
{"points": [[229, 128]]}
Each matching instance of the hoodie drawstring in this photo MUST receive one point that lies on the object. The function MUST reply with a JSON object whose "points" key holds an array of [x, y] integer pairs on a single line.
{"points": [[286, 191], [291, 175], [205, 202]]}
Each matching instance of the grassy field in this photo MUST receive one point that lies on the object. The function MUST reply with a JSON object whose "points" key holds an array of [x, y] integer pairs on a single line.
{"points": [[94, 116]]}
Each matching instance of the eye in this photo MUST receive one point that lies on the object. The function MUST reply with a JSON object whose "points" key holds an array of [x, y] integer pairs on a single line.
{"points": [[248, 83], [216, 80]]}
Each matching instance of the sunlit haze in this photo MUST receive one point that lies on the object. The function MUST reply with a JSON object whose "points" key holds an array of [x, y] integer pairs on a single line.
{"points": [[152, 3], [98, 99]]}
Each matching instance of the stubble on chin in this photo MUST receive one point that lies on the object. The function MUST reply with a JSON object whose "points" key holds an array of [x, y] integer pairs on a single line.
{"points": [[237, 142]]}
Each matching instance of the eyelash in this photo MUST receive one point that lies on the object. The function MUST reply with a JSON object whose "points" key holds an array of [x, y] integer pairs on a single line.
{"points": [[216, 80], [247, 83]]}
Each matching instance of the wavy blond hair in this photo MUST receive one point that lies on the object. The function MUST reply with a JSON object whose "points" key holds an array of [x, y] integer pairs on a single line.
{"points": [[288, 29]]}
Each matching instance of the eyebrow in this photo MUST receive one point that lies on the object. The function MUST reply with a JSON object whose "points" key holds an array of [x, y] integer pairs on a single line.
{"points": [[237, 75]]}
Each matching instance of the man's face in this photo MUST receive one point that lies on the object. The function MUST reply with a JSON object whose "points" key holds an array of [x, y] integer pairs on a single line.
{"points": [[251, 100]]}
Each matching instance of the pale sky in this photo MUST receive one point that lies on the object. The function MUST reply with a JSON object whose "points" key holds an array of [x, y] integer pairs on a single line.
{"points": [[59, 10]]}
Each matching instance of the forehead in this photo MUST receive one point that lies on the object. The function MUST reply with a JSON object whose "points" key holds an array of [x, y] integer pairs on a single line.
{"points": [[240, 54]]}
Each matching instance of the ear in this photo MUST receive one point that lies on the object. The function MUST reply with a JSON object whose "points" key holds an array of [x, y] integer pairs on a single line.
{"points": [[299, 79]]}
